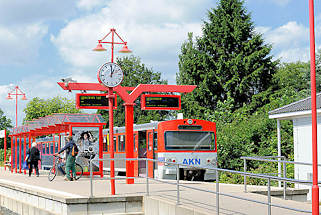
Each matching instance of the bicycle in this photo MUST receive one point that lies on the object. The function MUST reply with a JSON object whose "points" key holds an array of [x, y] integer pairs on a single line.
{"points": [[54, 169]]}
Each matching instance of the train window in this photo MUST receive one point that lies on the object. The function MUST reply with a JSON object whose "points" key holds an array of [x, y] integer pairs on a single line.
{"points": [[135, 143], [105, 144], [155, 141], [114, 143], [43, 148], [121, 143], [189, 140]]}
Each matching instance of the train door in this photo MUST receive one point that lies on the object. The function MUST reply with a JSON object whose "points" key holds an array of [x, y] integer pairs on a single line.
{"points": [[150, 153], [142, 152]]}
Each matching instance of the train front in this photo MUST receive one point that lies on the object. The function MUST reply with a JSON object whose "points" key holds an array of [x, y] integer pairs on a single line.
{"points": [[190, 143]]}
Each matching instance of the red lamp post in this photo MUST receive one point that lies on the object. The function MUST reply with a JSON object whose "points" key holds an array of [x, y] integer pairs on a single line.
{"points": [[17, 92], [110, 97], [315, 187], [112, 42]]}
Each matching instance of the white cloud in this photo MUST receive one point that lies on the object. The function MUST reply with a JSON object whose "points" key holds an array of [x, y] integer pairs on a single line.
{"points": [[17, 12], [295, 54], [291, 33], [154, 31], [290, 41], [277, 2], [89, 4], [21, 44]]}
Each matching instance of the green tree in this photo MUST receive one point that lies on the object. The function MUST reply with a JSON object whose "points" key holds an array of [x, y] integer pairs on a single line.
{"points": [[5, 124], [248, 131], [135, 73], [43, 107], [229, 59]]}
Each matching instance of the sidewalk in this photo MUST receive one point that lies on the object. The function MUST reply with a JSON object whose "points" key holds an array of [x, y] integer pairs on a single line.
{"points": [[202, 201]]}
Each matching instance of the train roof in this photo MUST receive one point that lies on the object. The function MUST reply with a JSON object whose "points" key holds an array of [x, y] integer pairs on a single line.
{"points": [[139, 127]]}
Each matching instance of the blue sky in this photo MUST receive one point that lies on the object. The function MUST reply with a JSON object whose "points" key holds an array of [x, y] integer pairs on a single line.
{"points": [[42, 41]]}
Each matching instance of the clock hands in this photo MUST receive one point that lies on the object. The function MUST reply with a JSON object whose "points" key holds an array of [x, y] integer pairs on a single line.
{"points": [[111, 70]]}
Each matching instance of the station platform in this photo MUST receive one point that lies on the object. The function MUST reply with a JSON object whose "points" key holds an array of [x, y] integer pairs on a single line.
{"points": [[36, 195]]}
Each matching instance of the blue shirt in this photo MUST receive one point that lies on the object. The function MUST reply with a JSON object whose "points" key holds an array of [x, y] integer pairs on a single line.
{"points": [[67, 147]]}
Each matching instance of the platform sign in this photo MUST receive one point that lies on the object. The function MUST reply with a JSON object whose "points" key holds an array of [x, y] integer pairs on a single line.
{"points": [[93, 101], [160, 102]]}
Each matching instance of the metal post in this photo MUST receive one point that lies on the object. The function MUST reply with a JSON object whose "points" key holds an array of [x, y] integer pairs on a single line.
{"points": [[111, 139], [315, 187], [91, 178], [177, 179], [147, 184], [245, 188], [217, 192], [129, 146], [269, 196], [5, 149], [284, 182], [279, 148]]}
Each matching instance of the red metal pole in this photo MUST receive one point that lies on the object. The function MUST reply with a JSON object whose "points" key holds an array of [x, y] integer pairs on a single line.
{"points": [[129, 127], [20, 160], [12, 153], [16, 106], [111, 139], [59, 142], [5, 149], [315, 187], [101, 139], [16, 160], [112, 45], [24, 151]]}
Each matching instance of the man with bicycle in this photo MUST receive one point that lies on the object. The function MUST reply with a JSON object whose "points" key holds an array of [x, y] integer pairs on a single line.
{"points": [[71, 158]]}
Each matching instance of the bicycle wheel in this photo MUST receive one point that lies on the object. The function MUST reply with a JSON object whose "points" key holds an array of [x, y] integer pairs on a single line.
{"points": [[52, 173], [79, 171]]}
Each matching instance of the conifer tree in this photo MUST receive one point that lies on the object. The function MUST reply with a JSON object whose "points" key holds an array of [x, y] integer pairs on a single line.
{"points": [[230, 59]]}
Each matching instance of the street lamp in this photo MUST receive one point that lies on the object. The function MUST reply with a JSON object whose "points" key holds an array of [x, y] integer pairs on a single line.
{"points": [[111, 96], [113, 33], [16, 92]]}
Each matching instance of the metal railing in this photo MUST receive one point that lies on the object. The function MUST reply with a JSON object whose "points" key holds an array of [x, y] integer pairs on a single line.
{"points": [[217, 191], [268, 159]]}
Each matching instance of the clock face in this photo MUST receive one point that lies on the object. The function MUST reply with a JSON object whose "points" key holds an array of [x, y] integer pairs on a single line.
{"points": [[110, 74]]}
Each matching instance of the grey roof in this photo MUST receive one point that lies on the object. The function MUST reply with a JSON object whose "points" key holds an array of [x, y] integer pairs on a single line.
{"points": [[302, 105]]}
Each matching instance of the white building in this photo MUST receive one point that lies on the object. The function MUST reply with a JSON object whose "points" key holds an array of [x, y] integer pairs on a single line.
{"points": [[300, 113]]}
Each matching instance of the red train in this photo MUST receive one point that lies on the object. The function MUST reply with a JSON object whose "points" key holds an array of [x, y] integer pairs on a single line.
{"points": [[184, 141]]}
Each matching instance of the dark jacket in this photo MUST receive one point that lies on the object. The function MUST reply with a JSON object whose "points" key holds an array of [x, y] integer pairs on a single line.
{"points": [[34, 155], [68, 148]]}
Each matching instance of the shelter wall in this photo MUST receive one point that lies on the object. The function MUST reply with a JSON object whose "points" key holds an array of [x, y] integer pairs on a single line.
{"points": [[302, 138]]}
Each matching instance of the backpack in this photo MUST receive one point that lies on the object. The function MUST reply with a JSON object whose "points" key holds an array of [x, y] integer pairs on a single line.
{"points": [[74, 150]]}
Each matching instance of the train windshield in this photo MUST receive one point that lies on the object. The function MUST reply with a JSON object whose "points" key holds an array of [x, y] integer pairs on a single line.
{"points": [[189, 140]]}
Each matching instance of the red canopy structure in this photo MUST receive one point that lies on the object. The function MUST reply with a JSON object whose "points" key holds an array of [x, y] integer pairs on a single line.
{"points": [[53, 124]]}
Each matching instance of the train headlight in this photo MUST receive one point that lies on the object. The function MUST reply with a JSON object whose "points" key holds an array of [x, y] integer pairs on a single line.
{"points": [[173, 160], [211, 161]]}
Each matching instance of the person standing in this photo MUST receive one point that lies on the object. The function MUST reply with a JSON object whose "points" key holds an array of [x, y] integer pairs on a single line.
{"points": [[71, 159], [33, 155]]}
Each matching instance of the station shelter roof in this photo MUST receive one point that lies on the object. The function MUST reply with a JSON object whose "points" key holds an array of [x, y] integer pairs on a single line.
{"points": [[57, 123]]}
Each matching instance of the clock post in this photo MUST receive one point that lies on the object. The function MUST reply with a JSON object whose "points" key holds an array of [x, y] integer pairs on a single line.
{"points": [[111, 75], [110, 97]]}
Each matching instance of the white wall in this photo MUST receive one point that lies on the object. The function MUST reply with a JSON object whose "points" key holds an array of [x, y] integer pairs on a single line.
{"points": [[302, 138]]}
